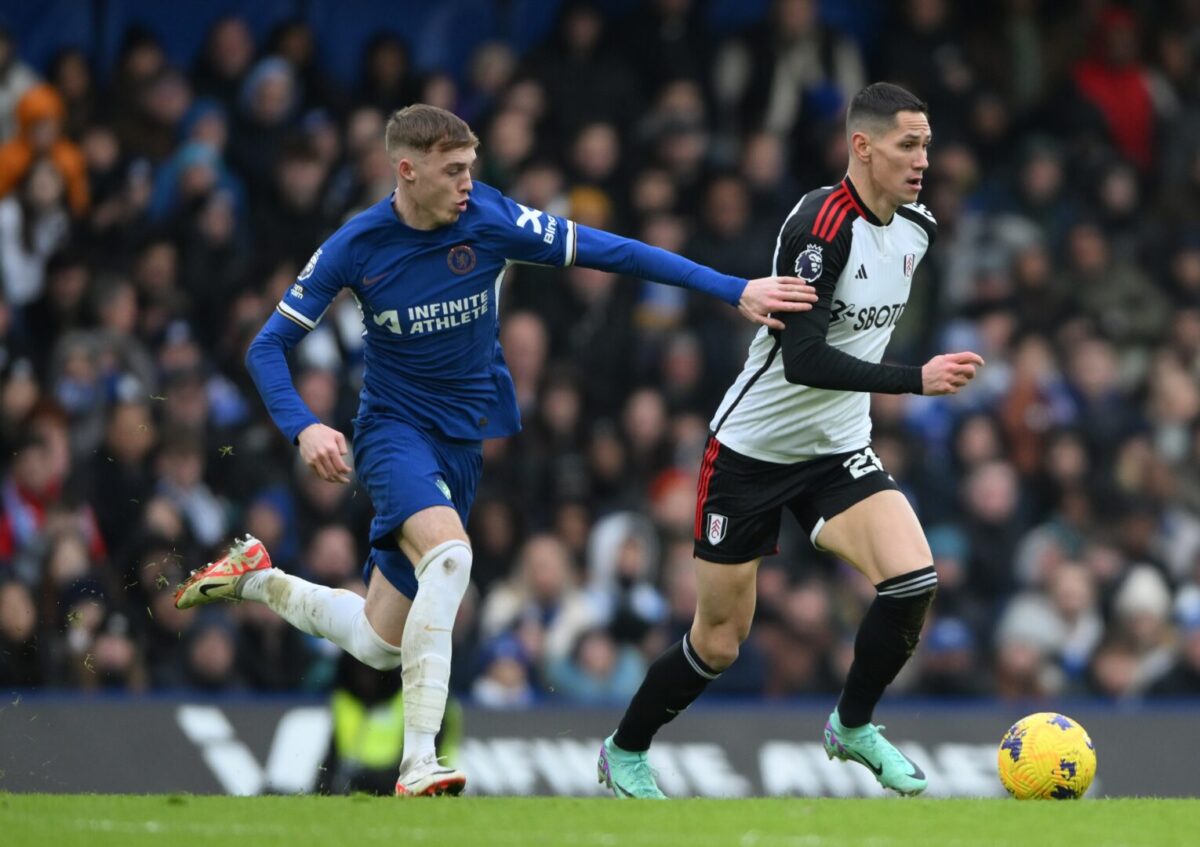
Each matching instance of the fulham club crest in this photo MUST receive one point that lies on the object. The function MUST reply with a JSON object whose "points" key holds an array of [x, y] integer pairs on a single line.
{"points": [[716, 527], [910, 263]]}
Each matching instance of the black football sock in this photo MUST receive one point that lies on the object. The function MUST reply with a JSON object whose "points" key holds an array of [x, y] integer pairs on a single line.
{"points": [[887, 636], [676, 678]]}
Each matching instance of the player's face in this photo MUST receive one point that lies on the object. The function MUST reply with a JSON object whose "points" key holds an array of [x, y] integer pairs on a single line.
{"points": [[442, 187], [899, 158]]}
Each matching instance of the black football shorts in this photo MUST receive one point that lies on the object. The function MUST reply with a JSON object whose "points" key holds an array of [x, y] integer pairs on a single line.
{"points": [[739, 500]]}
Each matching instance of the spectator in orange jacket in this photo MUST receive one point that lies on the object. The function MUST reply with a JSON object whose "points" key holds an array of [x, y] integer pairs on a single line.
{"points": [[40, 114]]}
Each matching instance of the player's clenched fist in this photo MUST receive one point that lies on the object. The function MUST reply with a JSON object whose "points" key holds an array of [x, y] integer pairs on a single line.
{"points": [[322, 449], [948, 373]]}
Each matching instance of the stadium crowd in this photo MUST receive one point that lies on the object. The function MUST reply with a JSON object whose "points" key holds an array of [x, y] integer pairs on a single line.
{"points": [[152, 215]]}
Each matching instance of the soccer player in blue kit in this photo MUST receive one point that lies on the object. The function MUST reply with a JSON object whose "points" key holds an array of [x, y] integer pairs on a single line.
{"points": [[425, 266]]}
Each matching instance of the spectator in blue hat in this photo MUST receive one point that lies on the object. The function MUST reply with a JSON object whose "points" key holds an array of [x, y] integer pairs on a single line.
{"points": [[947, 661]]}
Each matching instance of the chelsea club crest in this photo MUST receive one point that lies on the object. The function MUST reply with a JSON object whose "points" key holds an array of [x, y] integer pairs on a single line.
{"points": [[461, 259]]}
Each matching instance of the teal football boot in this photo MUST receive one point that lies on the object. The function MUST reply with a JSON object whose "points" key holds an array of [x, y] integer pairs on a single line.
{"points": [[627, 774], [867, 746]]}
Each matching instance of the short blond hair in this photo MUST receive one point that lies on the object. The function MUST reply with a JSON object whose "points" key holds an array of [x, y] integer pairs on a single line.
{"points": [[423, 128]]}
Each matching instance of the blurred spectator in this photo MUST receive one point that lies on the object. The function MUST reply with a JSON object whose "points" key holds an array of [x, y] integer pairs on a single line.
{"points": [[267, 105], [210, 654], [294, 41], [504, 677], [667, 40], [180, 467], [1183, 678], [789, 71], [20, 661], [116, 663], [33, 224], [224, 59], [1119, 298], [291, 218], [120, 473], [1142, 608], [1113, 78], [947, 663], [387, 82], [623, 554], [583, 80], [598, 670], [543, 594], [493, 66], [991, 502], [729, 238], [40, 114]]}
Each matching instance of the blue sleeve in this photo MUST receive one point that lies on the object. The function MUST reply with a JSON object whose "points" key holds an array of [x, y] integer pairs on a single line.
{"points": [[604, 251], [524, 234], [327, 272], [267, 362]]}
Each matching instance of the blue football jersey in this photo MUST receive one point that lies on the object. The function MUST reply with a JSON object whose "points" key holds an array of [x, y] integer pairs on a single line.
{"points": [[430, 307]]}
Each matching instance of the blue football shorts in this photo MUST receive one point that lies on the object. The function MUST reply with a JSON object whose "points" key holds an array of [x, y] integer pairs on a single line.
{"points": [[406, 469]]}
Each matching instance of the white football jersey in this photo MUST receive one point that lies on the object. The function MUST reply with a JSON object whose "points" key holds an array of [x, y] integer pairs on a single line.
{"points": [[862, 271]]}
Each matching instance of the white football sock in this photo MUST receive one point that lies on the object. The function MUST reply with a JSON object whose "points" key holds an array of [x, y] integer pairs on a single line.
{"points": [[442, 578], [332, 613]]}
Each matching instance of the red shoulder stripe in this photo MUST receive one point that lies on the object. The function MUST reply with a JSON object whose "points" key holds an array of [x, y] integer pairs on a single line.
{"points": [[833, 230], [832, 200], [828, 230]]}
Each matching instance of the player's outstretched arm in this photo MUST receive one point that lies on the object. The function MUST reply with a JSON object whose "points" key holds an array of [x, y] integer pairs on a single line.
{"points": [[756, 299], [948, 373], [770, 294]]}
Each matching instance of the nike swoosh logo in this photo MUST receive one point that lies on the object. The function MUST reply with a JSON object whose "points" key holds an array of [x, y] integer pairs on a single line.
{"points": [[369, 281], [429, 628], [917, 773], [878, 771], [204, 589]]}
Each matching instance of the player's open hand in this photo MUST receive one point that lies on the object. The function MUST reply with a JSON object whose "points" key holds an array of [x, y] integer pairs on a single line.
{"points": [[948, 373], [775, 294], [322, 448]]}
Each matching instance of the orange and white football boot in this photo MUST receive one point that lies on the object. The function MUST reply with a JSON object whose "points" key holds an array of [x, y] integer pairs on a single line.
{"points": [[220, 579], [427, 777]]}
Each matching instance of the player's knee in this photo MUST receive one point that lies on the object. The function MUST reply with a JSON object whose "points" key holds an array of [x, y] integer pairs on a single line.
{"points": [[907, 599], [371, 649], [448, 564], [718, 646]]}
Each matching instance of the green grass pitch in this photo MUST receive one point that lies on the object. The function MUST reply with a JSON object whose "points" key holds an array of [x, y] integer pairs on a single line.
{"points": [[95, 820]]}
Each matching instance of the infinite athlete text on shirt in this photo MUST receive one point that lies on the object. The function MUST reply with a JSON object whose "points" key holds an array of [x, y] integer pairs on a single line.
{"points": [[435, 317]]}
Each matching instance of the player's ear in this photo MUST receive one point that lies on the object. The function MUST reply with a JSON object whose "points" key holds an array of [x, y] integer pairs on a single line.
{"points": [[404, 170], [860, 146]]}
